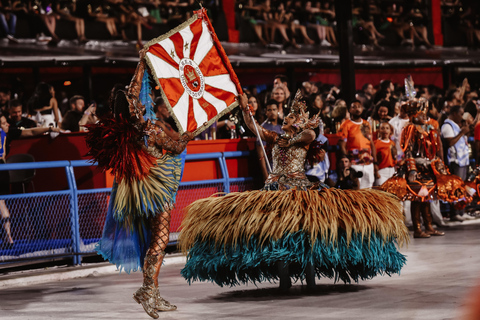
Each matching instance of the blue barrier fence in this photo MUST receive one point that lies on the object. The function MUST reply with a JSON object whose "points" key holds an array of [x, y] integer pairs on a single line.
{"points": [[68, 223]]}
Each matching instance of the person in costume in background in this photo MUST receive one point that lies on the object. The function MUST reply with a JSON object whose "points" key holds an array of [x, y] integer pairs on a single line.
{"points": [[423, 177], [137, 227], [292, 228]]}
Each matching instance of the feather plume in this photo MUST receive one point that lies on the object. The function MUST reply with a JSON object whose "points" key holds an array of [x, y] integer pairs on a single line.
{"points": [[145, 98], [115, 145]]}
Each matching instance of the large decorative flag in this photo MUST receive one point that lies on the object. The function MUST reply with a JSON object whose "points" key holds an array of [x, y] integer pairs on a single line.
{"points": [[194, 74]]}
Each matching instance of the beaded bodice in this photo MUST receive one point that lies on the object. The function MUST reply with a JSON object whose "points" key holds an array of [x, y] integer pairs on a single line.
{"points": [[288, 160], [288, 164]]}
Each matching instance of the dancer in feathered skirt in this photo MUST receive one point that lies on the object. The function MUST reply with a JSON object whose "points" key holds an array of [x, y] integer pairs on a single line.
{"points": [[292, 228], [137, 226]]}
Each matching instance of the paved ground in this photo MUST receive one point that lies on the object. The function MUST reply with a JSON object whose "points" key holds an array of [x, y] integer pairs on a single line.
{"points": [[435, 284]]}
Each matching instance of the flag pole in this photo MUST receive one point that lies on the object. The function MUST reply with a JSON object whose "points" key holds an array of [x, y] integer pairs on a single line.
{"points": [[260, 140]]}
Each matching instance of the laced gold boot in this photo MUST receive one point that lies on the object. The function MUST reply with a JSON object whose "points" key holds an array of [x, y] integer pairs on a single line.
{"points": [[162, 304], [146, 294]]}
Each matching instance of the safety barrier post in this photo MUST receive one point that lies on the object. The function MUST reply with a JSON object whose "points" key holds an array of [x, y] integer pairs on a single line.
{"points": [[225, 176], [74, 220]]}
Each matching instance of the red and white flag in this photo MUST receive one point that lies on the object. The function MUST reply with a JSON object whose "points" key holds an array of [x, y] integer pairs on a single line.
{"points": [[196, 79]]}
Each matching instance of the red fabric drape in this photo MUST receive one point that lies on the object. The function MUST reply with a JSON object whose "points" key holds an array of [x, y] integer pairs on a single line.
{"points": [[437, 23], [229, 10]]}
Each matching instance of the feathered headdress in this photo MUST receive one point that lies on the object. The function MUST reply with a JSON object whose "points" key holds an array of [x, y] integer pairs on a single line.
{"points": [[299, 108]]}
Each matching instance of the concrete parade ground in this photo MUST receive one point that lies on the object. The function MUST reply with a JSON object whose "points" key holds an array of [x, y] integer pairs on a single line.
{"points": [[436, 283]]}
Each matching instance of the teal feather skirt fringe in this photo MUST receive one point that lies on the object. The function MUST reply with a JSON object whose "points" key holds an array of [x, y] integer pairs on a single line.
{"points": [[249, 261], [126, 234]]}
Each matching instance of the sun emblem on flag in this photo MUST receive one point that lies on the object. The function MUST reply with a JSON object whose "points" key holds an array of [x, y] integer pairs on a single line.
{"points": [[194, 74]]}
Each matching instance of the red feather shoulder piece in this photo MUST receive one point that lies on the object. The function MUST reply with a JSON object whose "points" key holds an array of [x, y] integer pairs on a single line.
{"points": [[117, 145]]}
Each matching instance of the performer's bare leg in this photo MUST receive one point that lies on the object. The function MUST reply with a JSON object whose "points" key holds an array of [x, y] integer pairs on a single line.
{"points": [[148, 295]]}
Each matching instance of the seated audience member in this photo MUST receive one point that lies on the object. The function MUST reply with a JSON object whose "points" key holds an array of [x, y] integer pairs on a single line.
{"points": [[8, 20], [89, 117], [8, 134], [16, 120], [44, 104], [73, 117], [5, 95], [65, 10]]}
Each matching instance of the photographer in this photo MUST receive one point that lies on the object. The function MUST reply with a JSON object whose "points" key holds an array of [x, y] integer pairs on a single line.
{"points": [[347, 177]]}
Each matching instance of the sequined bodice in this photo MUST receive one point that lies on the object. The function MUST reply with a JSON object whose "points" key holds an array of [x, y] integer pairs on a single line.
{"points": [[288, 160]]}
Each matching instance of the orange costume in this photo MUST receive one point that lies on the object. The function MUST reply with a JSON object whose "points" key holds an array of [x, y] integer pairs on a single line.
{"points": [[423, 176]]}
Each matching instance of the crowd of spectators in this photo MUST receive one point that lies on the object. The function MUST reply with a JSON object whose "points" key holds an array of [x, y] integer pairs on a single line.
{"points": [[365, 160], [312, 21], [362, 160], [42, 109], [279, 21], [115, 15]]}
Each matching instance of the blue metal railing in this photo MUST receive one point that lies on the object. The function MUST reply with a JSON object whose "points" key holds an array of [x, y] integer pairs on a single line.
{"points": [[77, 245]]}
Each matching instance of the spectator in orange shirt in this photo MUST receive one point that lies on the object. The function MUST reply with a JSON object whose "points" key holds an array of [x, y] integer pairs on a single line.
{"points": [[386, 153], [358, 145]]}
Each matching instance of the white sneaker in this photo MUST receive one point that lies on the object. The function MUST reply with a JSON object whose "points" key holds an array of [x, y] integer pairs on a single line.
{"points": [[325, 43], [466, 216], [12, 38], [457, 218], [43, 38]]}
